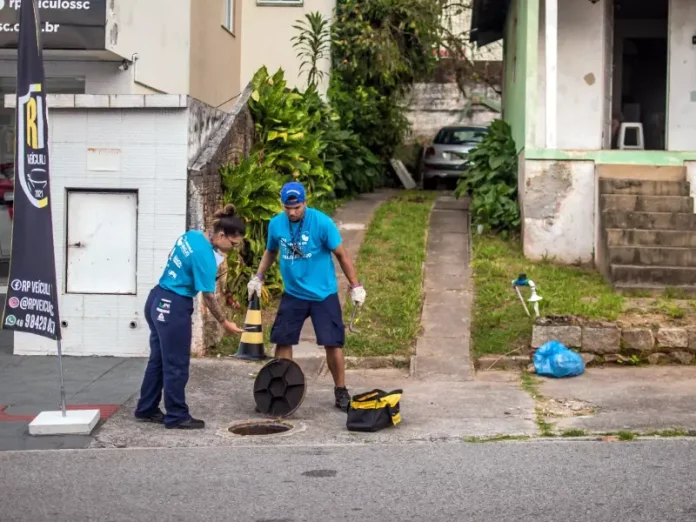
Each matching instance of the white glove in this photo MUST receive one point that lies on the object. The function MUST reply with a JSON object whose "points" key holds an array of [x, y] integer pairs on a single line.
{"points": [[254, 286], [358, 295]]}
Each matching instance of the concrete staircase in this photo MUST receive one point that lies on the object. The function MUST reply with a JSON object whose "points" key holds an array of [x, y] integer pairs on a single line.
{"points": [[649, 234]]}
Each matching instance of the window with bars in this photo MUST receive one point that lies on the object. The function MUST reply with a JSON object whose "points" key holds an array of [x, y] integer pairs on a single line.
{"points": [[228, 21]]}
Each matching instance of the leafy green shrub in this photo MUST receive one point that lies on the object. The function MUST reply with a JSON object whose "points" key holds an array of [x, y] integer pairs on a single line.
{"points": [[287, 133], [312, 43], [380, 48], [254, 189], [299, 137], [354, 167], [491, 180]]}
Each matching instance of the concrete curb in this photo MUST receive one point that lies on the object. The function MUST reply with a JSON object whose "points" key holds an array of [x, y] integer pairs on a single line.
{"points": [[318, 366]]}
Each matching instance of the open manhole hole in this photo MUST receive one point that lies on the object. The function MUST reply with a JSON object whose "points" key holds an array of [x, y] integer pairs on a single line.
{"points": [[260, 428]]}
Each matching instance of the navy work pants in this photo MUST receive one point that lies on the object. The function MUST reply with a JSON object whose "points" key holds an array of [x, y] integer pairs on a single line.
{"points": [[169, 317]]}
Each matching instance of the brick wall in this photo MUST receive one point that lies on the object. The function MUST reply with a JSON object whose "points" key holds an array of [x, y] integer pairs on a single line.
{"points": [[231, 141]]}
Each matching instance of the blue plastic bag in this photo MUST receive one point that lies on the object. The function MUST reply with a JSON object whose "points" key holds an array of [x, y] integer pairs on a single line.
{"points": [[553, 359]]}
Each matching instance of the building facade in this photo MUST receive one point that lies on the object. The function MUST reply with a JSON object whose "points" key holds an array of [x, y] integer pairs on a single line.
{"points": [[575, 73], [135, 96], [267, 38]]}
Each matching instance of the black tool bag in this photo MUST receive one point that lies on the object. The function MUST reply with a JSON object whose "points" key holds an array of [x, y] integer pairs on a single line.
{"points": [[374, 410]]}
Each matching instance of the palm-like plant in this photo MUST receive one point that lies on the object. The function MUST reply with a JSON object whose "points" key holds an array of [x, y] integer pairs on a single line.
{"points": [[312, 44]]}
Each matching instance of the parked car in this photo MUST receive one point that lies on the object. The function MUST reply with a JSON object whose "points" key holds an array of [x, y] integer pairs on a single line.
{"points": [[446, 157], [6, 212]]}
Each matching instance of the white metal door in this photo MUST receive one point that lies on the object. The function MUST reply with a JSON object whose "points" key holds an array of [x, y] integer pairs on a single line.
{"points": [[102, 242]]}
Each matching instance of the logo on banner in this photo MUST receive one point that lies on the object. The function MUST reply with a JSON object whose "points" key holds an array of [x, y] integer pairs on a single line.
{"points": [[31, 146], [13, 302], [11, 320]]}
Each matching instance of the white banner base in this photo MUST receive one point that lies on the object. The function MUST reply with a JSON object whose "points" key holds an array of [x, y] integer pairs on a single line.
{"points": [[75, 422]]}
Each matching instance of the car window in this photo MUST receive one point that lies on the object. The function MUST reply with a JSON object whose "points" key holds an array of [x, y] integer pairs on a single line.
{"points": [[459, 136]]}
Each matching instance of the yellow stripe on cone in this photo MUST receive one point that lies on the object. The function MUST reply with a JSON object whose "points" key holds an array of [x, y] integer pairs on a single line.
{"points": [[252, 338]]}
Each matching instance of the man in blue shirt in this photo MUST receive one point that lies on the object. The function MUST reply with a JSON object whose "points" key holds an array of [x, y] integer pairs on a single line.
{"points": [[305, 239]]}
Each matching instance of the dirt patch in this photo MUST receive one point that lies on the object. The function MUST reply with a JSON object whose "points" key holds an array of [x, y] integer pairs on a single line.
{"points": [[637, 312], [565, 408], [652, 312]]}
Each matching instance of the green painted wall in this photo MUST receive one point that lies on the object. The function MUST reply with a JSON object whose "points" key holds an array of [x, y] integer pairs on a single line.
{"points": [[514, 82], [614, 157], [520, 62], [531, 23]]}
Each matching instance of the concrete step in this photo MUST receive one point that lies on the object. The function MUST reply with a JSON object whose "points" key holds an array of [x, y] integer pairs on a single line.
{"points": [[649, 220], [652, 256], [653, 275], [655, 290], [617, 237], [642, 172], [643, 187], [647, 203]]}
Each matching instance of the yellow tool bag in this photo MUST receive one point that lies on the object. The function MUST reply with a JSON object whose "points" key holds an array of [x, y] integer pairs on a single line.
{"points": [[374, 410]]}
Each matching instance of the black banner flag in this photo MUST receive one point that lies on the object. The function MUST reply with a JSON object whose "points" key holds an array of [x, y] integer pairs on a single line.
{"points": [[31, 304]]}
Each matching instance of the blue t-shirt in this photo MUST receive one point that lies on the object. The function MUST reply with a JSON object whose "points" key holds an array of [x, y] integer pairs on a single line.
{"points": [[308, 271], [191, 267]]}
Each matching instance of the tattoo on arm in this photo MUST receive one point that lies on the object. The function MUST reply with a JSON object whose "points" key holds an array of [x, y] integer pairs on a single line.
{"points": [[214, 307]]}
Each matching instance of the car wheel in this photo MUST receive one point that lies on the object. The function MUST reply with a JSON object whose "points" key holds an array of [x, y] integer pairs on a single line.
{"points": [[429, 183]]}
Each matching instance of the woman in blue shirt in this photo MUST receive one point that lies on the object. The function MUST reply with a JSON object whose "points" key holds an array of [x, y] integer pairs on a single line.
{"points": [[191, 268]]}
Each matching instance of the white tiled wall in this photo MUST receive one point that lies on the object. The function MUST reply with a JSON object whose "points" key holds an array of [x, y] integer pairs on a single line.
{"points": [[154, 147]]}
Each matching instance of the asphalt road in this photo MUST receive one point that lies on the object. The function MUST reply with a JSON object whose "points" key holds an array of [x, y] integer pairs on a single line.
{"points": [[518, 481]]}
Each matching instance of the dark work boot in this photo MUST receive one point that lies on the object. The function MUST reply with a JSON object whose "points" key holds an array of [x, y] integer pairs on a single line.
{"points": [[157, 418], [191, 424], [342, 398]]}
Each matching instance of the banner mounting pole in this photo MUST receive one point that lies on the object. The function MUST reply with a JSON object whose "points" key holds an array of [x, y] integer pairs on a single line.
{"points": [[62, 383], [32, 301]]}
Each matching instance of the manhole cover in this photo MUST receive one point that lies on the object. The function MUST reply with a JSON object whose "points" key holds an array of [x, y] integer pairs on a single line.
{"points": [[260, 428], [279, 388]]}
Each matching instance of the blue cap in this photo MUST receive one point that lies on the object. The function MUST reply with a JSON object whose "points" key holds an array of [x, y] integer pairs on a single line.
{"points": [[294, 189]]}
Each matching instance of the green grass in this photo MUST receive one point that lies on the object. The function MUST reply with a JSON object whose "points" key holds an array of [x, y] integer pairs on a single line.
{"points": [[499, 321], [390, 265], [574, 433], [530, 384]]}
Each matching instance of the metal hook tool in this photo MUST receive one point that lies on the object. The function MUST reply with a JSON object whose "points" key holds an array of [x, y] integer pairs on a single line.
{"points": [[356, 308]]}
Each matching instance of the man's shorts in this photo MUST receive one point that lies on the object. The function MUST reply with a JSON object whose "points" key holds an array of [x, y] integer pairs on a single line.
{"points": [[326, 315]]}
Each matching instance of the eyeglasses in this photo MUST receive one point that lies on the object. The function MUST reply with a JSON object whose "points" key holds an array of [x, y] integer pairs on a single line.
{"points": [[235, 244]]}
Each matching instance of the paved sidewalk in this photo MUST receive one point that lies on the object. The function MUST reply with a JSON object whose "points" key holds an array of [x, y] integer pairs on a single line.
{"points": [[221, 393], [30, 385], [492, 404], [633, 399], [352, 220], [442, 350]]}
